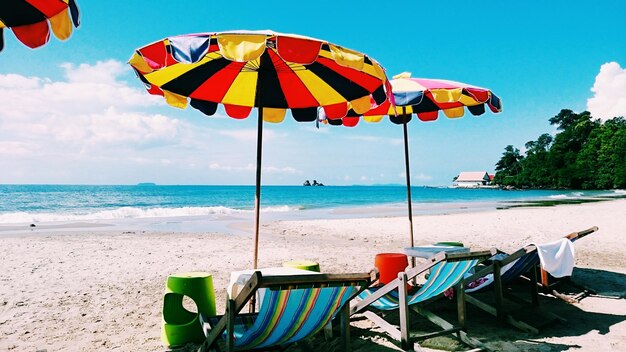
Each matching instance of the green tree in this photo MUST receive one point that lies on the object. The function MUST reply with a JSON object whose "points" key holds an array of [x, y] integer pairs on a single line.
{"points": [[535, 170], [508, 167], [575, 130], [611, 154], [584, 154]]}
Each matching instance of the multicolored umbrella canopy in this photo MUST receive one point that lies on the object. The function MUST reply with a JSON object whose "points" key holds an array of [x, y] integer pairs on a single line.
{"points": [[271, 71], [242, 70], [425, 98], [31, 20]]}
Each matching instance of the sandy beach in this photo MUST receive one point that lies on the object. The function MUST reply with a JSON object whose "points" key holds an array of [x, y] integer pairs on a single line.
{"points": [[103, 290]]}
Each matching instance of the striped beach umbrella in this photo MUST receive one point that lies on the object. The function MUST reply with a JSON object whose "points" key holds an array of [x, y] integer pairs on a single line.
{"points": [[424, 98], [31, 20], [270, 71]]}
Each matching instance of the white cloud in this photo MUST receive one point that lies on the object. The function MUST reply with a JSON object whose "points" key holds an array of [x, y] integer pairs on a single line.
{"points": [[87, 89], [251, 167], [14, 81], [92, 126], [114, 127], [248, 135], [92, 107], [396, 141], [369, 139], [421, 177], [218, 166], [609, 99], [376, 139], [418, 177], [280, 170], [104, 72], [15, 148], [312, 129]]}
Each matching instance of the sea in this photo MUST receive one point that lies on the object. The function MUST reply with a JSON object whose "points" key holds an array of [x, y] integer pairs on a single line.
{"points": [[214, 208]]}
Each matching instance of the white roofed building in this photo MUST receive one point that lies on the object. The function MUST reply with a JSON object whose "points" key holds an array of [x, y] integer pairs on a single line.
{"points": [[472, 179]]}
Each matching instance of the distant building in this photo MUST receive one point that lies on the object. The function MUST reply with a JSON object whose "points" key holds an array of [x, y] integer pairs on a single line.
{"points": [[472, 179]]}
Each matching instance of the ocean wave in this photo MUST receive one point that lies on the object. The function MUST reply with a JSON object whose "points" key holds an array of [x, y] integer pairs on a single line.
{"points": [[558, 196], [279, 209], [132, 213]]}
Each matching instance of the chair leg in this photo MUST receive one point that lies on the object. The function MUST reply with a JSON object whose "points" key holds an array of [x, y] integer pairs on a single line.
{"points": [[534, 286], [545, 280], [230, 326], [404, 311], [344, 323], [460, 304], [328, 331], [498, 288]]}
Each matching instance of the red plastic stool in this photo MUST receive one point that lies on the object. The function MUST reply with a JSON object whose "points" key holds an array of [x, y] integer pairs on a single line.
{"points": [[389, 265]]}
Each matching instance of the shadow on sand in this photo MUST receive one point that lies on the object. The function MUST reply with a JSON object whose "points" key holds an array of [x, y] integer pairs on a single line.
{"points": [[607, 285]]}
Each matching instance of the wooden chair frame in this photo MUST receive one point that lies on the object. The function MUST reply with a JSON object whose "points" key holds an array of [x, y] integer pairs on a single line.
{"points": [[258, 281], [498, 309], [400, 284]]}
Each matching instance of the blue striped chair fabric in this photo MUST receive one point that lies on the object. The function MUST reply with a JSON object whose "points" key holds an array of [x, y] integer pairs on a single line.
{"points": [[287, 316], [521, 266], [443, 276]]}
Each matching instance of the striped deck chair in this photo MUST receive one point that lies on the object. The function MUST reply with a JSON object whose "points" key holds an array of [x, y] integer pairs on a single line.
{"points": [[292, 308], [504, 269], [446, 271]]}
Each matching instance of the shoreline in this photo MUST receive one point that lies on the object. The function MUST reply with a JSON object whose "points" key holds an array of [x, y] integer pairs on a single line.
{"points": [[235, 223]]}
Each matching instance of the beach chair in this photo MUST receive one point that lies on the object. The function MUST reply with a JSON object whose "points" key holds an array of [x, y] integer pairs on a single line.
{"points": [[292, 308], [504, 269], [446, 271]]}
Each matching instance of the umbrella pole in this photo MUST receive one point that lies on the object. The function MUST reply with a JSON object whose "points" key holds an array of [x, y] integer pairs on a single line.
{"points": [[257, 194], [257, 197], [408, 178]]}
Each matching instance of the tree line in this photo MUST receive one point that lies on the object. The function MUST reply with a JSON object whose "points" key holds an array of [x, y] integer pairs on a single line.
{"points": [[584, 154]]}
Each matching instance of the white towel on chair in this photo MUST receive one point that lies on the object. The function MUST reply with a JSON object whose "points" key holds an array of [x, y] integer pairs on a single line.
{"points": [[558, 257]]}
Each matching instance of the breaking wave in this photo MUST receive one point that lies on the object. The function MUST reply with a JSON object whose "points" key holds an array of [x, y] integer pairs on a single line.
{"points": [[565, 196], [133, 213]]}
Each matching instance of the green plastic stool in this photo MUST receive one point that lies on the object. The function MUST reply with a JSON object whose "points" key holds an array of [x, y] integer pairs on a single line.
{"points": [[303, 264], [181, 326]]}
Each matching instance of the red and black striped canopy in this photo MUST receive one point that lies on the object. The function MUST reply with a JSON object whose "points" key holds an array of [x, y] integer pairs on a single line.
{"points": [[262, 69], [31, 20]]}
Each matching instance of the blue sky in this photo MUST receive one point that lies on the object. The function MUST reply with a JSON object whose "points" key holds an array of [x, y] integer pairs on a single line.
{"points": [[73, 113]]}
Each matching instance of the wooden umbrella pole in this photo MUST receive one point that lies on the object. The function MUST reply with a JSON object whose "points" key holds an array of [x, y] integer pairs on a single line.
{"points": [[408, 177], [257, 195]]}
